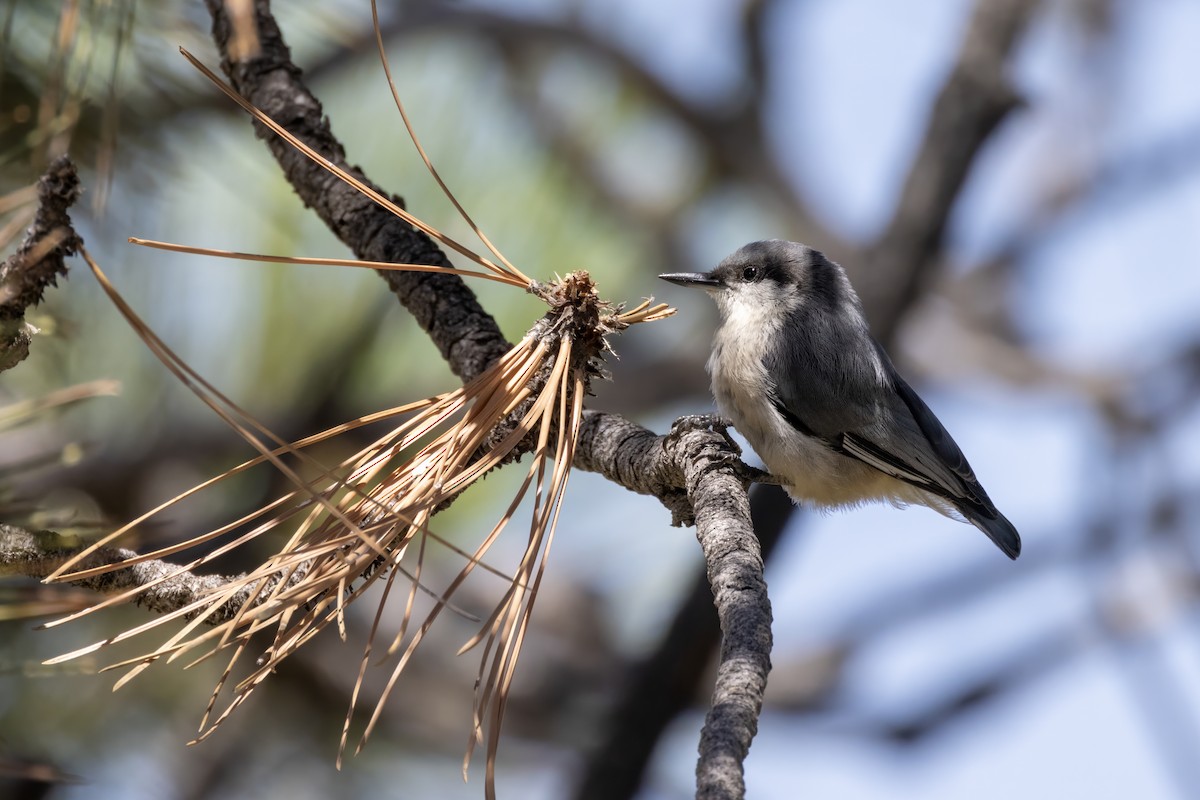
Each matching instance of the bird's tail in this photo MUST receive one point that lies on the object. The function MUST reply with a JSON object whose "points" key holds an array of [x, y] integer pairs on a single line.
{"points": [[997, 528]]}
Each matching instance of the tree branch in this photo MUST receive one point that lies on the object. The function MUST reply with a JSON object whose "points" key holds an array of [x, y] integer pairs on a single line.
{"points": [[973, 101], [36, 554], [39, 260], [698, 462], [466, 335]]}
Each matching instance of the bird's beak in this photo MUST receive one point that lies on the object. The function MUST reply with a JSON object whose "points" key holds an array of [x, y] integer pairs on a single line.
{"points": [[704, 280]]}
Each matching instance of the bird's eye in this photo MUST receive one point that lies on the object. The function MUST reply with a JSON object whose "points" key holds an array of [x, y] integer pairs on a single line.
{"points": [[750, 274]]}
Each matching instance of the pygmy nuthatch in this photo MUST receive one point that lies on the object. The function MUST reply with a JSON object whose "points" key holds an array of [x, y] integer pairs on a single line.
{"points": [[795, 368]]}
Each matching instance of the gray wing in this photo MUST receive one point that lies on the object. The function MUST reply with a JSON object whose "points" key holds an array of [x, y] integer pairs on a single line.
{"points": [[823, 378], [829, 388], [835, 395], [916, 433], [963, 490]]}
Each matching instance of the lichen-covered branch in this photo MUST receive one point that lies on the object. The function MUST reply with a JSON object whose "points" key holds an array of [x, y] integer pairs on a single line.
{"points": [[39, 260], [693, 472], [36, 554]]}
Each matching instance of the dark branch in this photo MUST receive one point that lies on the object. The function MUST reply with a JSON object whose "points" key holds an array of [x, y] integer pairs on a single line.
{"points": [[39, 260], [974, 100], [698, 462], [466, 335], [36, 554]]}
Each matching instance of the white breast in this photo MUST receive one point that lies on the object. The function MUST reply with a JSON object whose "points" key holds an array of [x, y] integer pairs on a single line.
{"points": [[810, 470]]}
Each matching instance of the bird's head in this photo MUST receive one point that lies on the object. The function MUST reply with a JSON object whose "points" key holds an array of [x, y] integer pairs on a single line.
{"points": [[771, 278]]}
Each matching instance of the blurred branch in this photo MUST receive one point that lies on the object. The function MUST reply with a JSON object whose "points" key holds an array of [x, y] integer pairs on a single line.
{"points": [[1066, 196], [1125, 624], [1160, 697], [36, 554], [1034, 660], [1143, 170], [39, 260], [29, 779], [973, 101], [730, 134]]}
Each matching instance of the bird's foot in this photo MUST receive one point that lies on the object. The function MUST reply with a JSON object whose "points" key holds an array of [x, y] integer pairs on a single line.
{"points": [[713, 422], [730, 458], [746, 473]]}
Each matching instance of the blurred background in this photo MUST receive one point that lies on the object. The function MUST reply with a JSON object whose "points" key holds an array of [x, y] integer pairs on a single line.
{"points": [[1015, 189]]}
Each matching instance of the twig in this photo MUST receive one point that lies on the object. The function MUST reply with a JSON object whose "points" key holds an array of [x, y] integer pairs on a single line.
{"points": [[39, 260], [36, 554]]}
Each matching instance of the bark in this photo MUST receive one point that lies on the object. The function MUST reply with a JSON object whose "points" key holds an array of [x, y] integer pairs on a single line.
{"points": [[39, 260]]}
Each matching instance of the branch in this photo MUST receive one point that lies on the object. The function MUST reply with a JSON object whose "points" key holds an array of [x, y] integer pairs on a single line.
{"points": [[39, 260], [36, 554], [466, 335], [665, 682], [698, 461]]}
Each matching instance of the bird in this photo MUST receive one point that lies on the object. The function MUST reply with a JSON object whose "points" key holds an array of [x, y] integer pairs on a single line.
{"points": [[795, 369]]}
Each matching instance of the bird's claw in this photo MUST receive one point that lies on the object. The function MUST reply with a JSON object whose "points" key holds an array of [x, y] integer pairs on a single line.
{"points": [[713, 422], [729, 458], [746, 473]]}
